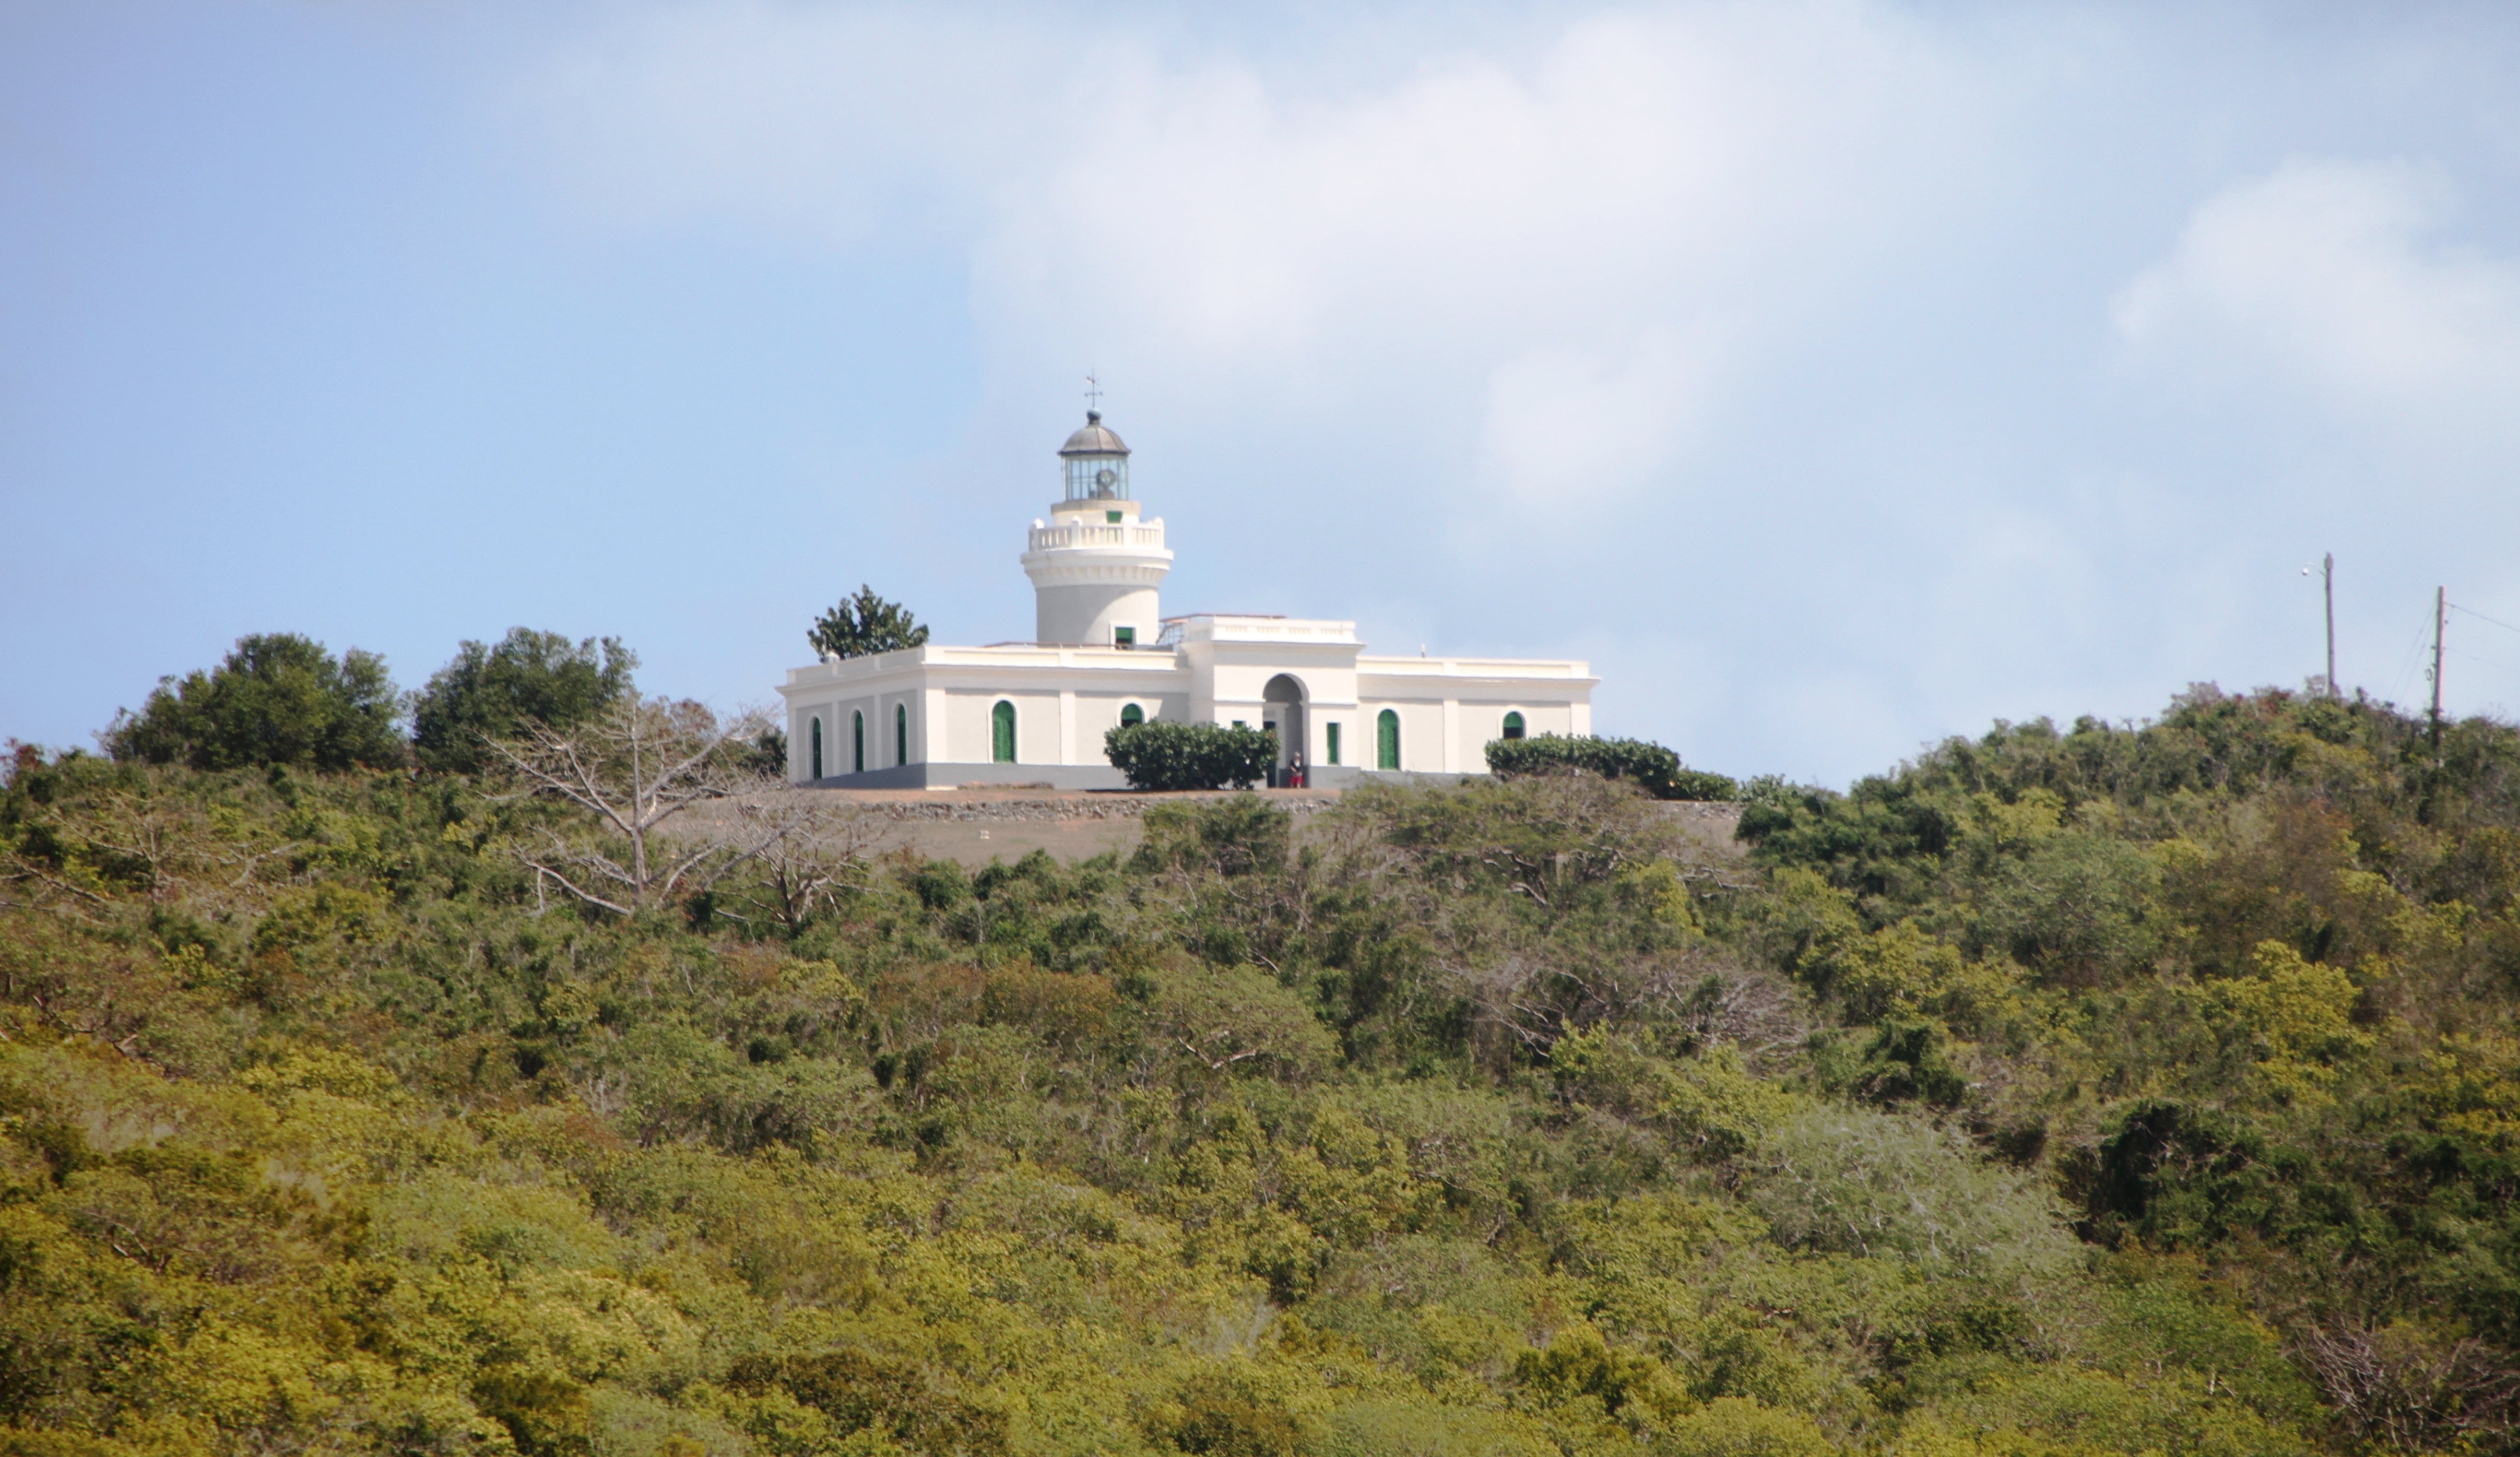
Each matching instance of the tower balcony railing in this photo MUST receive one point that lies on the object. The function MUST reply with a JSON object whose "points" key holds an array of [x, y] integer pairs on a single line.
{"points": [[1054, 538]]}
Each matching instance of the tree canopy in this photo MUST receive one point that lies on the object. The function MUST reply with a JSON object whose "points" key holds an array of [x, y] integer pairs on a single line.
{"points": [[277, 699], [865, 624], [488, 690]]}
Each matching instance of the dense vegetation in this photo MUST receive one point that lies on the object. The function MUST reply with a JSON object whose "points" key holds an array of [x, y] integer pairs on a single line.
{"points": [[2107, 1090]]}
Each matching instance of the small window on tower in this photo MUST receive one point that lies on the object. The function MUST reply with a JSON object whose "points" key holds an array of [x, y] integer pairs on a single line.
{"points": [[1124, 637], [1514, 725], [1333, 744], [1112, 516], [1131, 715]]}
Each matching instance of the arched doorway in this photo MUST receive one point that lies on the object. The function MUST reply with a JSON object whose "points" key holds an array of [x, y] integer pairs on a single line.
{"points": [[1282, 712]]}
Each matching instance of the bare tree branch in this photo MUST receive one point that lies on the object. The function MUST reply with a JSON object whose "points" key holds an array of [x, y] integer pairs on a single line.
{"points": [[636, 767]]}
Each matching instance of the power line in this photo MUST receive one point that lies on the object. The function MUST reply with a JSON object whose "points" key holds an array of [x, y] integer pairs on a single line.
{"points": [[2407, 664], [2482, 618], [2488, 661]]}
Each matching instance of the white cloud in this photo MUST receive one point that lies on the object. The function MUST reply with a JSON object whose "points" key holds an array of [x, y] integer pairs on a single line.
{"points": [[1580, 232], [1573, 424], [2327, 276]]}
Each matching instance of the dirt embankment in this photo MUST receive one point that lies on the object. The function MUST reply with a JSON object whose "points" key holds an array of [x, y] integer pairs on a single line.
{"points": [[1006, 822]]}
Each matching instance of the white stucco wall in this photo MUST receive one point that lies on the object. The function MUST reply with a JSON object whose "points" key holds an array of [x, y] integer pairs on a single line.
{"points": [[1067, 697]]}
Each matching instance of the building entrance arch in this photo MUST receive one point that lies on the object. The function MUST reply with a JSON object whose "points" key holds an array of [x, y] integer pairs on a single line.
{"points": [[1281, 712]]}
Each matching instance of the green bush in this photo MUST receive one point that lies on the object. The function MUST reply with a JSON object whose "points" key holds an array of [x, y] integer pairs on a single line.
{"points": [[1162, 755], [1649, 765], [277, 698]]}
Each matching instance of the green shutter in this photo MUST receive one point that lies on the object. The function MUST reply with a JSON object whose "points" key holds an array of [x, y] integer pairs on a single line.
{"points": [[817, 750], [1333, 744], [901, 733], [1001, 733], [1131, 715], [1514, 726], [857, 741], [1387, 740]]}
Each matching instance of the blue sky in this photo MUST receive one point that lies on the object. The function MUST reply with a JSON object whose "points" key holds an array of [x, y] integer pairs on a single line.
{"points": [[1833, 376]]}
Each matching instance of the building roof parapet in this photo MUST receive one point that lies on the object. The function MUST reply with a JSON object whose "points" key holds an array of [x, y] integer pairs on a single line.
{"points": [[1255, 627], [1476, 668], [1011, 655]]}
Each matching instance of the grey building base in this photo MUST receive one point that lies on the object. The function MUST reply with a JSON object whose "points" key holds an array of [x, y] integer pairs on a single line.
{"points": [[951, 776], [1089, 777]]}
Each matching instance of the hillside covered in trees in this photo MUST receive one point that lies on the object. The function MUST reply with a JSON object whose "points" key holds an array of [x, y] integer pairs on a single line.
{"points": [[2114, 1089]]}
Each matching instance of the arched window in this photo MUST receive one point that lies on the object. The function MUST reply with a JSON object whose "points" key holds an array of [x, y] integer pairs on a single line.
{"points": [[818, 749], [1514, 725], [901, 733], [857, 741], [1131, 715], [1387, 740], [1001, 732]]}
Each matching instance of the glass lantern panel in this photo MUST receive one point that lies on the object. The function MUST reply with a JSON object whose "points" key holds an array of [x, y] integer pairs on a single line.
{"points": [[1097, 478]]}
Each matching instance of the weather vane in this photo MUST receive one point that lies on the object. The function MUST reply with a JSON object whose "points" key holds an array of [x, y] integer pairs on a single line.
{"points": [[1093, 394]]}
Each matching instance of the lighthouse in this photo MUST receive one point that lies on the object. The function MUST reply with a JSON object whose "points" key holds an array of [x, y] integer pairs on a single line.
{"points": [[1096, 564]]}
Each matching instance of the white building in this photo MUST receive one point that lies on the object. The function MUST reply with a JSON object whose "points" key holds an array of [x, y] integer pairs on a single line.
{"points": [[1102, 655]]}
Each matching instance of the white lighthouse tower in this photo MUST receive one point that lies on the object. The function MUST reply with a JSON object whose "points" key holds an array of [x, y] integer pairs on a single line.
{"points": [[1096, 565]]}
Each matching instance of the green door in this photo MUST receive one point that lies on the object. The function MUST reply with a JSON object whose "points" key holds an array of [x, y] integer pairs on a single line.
{"points": [[817, 750], [857, 743], [901, 733], [1387, 740], [1001, 733]]}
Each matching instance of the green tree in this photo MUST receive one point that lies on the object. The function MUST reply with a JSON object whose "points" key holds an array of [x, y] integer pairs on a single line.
{"points": [[866, 624], [277, 698], [486, 691]]}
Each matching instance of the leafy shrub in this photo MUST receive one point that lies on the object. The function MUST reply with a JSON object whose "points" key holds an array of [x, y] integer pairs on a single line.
{"points": [[1655, 768], [277, 698], [1881, 1185], [1166, 755], [1234, 837]]}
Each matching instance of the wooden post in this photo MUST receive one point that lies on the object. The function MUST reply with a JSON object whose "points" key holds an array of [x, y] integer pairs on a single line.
{"points": [[2328, 571], [2441, 617]]}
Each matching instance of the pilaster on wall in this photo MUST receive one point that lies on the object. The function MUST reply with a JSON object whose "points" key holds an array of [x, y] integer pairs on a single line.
{"points": [[1452, 735], [931, 727], [1067, 725]]}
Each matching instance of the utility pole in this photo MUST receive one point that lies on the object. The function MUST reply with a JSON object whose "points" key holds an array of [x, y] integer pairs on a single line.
{"points": [[2441, 616], [2328, 573]]}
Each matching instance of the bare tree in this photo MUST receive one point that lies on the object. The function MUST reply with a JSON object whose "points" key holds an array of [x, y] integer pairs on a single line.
{"points": [[2412, 1389], [636, 766], [808, 850]]}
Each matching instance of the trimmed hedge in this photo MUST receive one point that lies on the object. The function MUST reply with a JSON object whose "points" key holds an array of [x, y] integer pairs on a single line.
{"points": [[1163, 755], [1655, 768]]}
